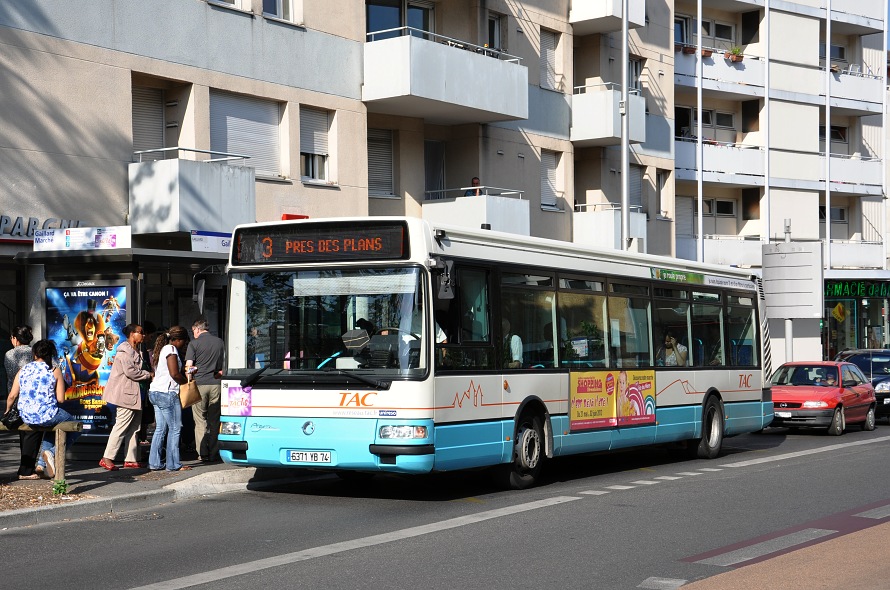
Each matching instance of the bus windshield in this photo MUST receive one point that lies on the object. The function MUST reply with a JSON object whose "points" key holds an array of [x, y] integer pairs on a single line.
{"points": [[368, 320]]}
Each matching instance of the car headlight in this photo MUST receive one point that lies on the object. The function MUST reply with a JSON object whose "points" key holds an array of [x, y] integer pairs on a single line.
{"points": [[815, 404], [406, 431], [231, 428], [882, 387]]}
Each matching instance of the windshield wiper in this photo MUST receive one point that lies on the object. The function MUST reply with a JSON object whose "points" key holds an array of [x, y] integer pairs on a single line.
{"points": [[366, 380], [253, 377]]}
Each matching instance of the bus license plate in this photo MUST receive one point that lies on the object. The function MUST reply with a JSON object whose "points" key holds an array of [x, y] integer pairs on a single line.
{"points": [[783, 414], [309, 456]]}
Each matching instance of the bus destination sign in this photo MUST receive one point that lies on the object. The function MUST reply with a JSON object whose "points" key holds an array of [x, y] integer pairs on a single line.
{"points": [[320, 242]]}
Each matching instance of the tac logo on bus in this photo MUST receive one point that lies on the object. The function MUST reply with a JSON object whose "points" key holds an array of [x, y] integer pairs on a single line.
{"points": [[387, 413]]}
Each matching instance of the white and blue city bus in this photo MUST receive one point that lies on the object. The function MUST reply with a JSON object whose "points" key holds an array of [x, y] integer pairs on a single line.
{"points": [[382, 344]]}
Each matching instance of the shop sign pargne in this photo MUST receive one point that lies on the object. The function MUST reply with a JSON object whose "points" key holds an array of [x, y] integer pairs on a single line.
{"points": [[24, 227]]}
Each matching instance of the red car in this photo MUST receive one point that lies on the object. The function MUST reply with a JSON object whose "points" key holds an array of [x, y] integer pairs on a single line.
{"points": [[822, 394]]}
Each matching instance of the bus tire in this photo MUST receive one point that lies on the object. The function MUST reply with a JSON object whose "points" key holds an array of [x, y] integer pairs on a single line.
{"points": [[711, 441], [528, 455]]}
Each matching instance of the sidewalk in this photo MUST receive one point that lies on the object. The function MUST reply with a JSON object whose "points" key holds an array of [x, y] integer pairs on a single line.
{"points": [[102, 491]]}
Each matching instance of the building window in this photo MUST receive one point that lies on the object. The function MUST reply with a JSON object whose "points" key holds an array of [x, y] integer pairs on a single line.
{"points": [[724, 120], [681, 29], [380, 152], [549, 192], [548, 60], [838, 214], [750, 203], [382, 15], [315, 124], [249, 126], [838, 52], [289, 10], [497, 27], [635, 73], [838, 134], [434, 169], [660, 185], [724, 208]]}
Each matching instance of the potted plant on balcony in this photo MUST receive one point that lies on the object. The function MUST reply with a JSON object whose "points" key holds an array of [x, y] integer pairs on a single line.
{"points": [[705, 52], [734, 54], [689, 49]]}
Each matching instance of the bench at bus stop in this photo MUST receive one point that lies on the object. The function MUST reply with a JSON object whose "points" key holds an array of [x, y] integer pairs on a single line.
{"points": [[61, 429]]}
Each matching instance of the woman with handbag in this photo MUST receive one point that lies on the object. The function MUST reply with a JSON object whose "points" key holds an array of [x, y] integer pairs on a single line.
{"points": [[166, 358], [37, 391], [17, 357], [122, 391]]}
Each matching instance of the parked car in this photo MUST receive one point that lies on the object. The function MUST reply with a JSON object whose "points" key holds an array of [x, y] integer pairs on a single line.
{"points": [[822, 394], [875, 364]]}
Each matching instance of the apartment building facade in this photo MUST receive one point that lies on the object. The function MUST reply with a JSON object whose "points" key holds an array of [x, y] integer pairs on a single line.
{"points": [[178, 119]]}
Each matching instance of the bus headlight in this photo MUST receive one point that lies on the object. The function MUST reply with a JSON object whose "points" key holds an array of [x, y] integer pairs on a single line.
{"points": [[231, 428], [403, 431]]}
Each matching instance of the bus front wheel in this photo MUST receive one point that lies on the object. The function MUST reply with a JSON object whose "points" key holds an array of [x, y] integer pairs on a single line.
{"points": [[528, 455], [708, 447]]}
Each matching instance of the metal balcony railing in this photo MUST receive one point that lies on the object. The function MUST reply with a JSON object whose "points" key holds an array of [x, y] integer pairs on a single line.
{"points": [[164, 151], [471, 191], [493, 52]]}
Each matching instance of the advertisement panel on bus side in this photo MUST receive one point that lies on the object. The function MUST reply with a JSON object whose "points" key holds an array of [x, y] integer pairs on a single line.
{"points": [[603, 399]]}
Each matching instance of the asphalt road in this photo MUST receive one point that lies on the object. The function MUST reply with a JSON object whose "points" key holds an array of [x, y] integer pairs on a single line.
{"points": [[771, 503]]}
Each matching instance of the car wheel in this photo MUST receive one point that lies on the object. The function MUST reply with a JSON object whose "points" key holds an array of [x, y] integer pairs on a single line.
{"points": [[869, 423], [838, 422]]}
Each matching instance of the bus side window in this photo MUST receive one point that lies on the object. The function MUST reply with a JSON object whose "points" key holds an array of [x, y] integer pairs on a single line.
{"points": [[466, 320]]}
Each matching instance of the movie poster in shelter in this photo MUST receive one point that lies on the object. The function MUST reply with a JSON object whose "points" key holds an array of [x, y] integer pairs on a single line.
{"points": [[87, 325]]}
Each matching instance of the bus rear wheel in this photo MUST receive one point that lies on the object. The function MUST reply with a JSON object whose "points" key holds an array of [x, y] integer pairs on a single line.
{"points": [[528, 455], [711, 441]]}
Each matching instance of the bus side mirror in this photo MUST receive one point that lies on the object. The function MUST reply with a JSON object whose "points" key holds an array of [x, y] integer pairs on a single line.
{"points": [[445, 282]]}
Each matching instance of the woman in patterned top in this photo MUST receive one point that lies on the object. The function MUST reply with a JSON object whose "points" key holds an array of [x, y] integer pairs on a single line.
{"points": [[16, 358], [38, 388]]}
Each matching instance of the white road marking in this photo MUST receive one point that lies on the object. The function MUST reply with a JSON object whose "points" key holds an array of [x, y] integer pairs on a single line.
{"points": [[620, 487], [662, 583], [689, 473], [807, 452], [709, 469], [668, 477], [766, 547], [645, 482], [211, 576], [594, 492], [875, 513]]}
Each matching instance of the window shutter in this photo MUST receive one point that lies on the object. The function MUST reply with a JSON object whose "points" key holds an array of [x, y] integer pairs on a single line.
{"points": [[635, 188], [148, 121], [246, 125], [434, 169], [380, 162], [314, 127], [684, 217], [548, 59], [548, 178]]}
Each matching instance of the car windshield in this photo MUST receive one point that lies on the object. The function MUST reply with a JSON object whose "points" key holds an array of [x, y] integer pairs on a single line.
{"points": [[873, 365], [805, 375]]}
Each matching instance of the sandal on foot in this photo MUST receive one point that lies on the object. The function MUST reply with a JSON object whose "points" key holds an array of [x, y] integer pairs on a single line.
{"points": [[32, 476], [106, 464], [183, 468]]}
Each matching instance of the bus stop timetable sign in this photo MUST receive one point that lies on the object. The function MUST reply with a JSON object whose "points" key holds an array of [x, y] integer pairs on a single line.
{"points": [[792, 280]]}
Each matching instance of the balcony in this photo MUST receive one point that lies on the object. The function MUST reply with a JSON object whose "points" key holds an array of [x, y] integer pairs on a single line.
{"points": [[854, 254], [589, 17], [596, 115], [442, 80], [858, 17], [183, 195], [733, 80], [745, 251], [728, 164], [599, 226], [853, 175], [502, 209], [854, 93]]}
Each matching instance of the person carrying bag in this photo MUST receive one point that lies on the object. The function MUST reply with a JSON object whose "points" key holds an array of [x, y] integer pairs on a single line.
{"points": [[164, 394]]}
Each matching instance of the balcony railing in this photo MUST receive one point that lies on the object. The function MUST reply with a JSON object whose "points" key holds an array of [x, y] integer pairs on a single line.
{"points": [[472, 191], [596, 115], [143, 155], [449, 41]]}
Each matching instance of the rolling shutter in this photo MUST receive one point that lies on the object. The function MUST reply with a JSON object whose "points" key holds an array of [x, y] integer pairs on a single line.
{"points": [[314, 127], [248, 126], [148, 121], [684, 217], [548, 59], [380, 162], [549, 161], [635, 188]]}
